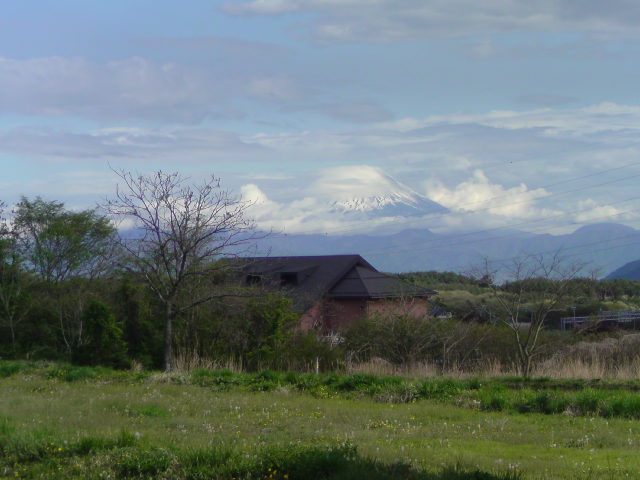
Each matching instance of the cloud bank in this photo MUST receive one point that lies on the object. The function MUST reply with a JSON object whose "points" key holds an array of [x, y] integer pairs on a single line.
{"points": [[396, 20], [510, 165]]}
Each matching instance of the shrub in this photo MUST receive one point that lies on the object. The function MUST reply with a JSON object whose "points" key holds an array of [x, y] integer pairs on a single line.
{"points": [[9, 368], [270, 321], [103, 339], [626, 405], [589, 402], [304, 349], [439, 389], [494, 399], [70, 373], [217, 379]]}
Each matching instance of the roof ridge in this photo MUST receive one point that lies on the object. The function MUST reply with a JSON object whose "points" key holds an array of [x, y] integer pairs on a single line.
{"points": [[364, 284], [344, 271]]}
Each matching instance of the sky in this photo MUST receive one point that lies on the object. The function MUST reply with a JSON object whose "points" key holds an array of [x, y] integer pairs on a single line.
{"points": [[509, 113]]}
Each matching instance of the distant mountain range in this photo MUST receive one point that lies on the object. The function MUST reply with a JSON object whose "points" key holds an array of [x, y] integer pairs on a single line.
{"points": [[604, 247], [362, 195], [629, 271], [353, 196]]}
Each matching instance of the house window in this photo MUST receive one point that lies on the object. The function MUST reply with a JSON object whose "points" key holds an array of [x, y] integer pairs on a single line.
{"points": [[288, 278]]}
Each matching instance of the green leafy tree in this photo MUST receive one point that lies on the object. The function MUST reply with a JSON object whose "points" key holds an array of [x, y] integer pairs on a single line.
{"points": [[133, 306], [270, 322], [65, 250], [14, 297], [59, 244], [102, 341], [14, 287]]}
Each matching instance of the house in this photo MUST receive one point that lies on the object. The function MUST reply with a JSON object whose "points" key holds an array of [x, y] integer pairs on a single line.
{"points": [[332, 292]]}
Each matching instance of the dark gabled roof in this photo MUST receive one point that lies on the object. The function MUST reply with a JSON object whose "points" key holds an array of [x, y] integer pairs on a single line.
{"points": [[362, 282], [308, 278]]}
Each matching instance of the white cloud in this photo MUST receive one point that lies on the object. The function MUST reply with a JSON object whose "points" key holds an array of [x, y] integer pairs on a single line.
{"points": [[252, 194], [353, 181], [136, 89], [517, 152], [479, 194], [597, 118], [592, 211], [125, 89], [313, 210], [389, 20], [118, 144]]}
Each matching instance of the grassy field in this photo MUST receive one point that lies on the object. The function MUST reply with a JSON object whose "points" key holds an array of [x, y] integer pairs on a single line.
{"points": [[62, 423]]}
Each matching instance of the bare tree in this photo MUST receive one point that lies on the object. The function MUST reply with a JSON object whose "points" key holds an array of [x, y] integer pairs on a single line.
{"points": [[457, 341], [535, 285], [182, 232]]}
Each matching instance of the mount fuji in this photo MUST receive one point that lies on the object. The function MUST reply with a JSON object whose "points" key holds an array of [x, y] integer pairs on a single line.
{"points": [[361, 209], [366, 192]]}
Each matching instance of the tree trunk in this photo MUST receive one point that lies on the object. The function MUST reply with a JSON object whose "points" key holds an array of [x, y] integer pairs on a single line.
{"points": [[13, 334], [168, 337], [525, 364]]}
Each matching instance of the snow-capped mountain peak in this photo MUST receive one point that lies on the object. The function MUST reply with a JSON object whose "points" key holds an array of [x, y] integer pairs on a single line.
{"points": [[368, 191]]}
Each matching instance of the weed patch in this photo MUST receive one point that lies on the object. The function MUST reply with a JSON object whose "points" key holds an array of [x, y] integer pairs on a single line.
{"points": [[149, 411], [8, 368]]}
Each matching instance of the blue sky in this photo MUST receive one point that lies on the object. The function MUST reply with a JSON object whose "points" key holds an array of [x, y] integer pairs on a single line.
{"points": [[523, 111]]}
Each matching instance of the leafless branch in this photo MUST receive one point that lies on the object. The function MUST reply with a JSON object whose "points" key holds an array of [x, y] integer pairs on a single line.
{"points": [[180, 233]]}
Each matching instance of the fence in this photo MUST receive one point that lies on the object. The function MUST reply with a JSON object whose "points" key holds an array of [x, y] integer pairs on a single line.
{"points": [[624, 318]]}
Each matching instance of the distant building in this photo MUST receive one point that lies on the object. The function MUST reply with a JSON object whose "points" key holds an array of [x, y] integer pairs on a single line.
{"points": [[332, 292]]}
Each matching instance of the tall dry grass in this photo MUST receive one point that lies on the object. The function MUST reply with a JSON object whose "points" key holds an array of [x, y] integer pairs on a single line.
{"points": [[574, 368], [429, 369], [610, 358], [615, 358], [596, 368], [187, 361]]}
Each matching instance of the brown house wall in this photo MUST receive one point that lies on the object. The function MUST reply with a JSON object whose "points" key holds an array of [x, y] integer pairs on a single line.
{"points": [[417, 307], [339, 314]]}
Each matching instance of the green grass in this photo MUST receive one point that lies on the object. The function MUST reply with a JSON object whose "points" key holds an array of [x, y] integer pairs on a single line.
{"points": [[507, 394], [223, 425]]}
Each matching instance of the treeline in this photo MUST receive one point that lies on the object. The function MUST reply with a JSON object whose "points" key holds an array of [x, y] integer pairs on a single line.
{"points": [[66, 294], [169, 294], [588, 295], [579, 288]]}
